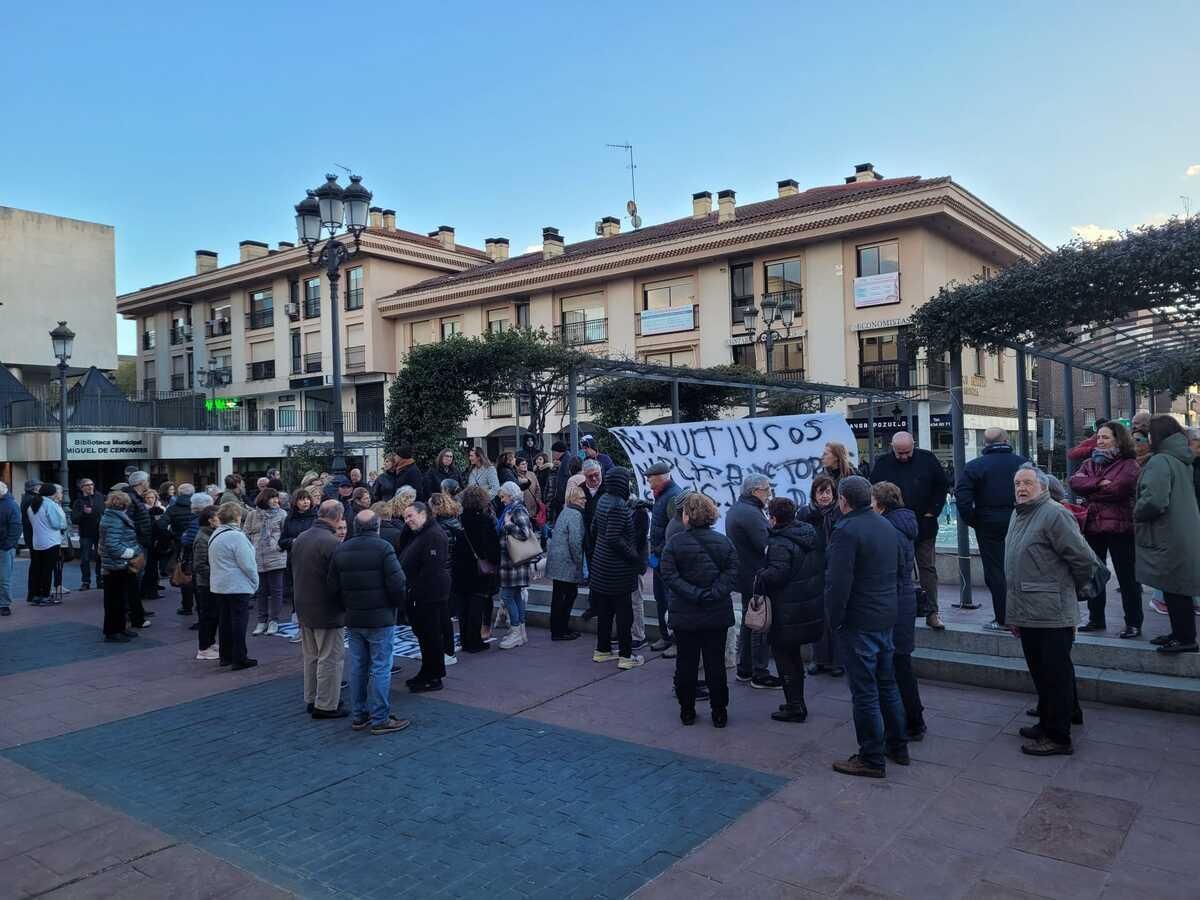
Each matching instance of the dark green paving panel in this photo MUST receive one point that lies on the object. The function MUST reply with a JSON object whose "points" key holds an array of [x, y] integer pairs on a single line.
{"points": [[43, 646]]}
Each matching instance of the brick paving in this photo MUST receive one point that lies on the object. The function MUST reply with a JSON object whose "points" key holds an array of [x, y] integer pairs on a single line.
{"points": [[539, 773]]}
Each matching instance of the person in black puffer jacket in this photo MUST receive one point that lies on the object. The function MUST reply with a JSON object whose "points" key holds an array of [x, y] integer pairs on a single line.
{"points": [[615, 567], [888, 500], [700, 571], [426, 563], [794, 579]]}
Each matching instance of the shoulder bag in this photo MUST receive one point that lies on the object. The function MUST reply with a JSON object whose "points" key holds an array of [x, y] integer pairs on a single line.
{"points": [[758, 611], [524, 551], [484, 567]]}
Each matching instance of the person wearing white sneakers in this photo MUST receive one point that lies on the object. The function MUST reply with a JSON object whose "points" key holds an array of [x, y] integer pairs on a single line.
{"points": [[206, 635], [264, 527], [513, 526], [616, 565]]}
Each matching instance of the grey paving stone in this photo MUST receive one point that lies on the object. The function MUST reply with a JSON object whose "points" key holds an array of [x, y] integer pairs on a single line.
{"points": [[1164, 844], [1063, 825], [1045, 877]]}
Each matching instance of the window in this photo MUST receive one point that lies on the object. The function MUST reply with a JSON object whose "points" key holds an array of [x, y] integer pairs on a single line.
{"points": [[498, 320], [783, 276], [1088, 379], [190, 366], [354, 288], [980, 362], [312, 352], [297, 355], [1089, 417], [744, 355], [986, 272], [218, 321], [584, 319], [741, 292], [878, 348], [877, 259], [676, 358], [451, 327], [788, 356], [149, 385], [879, 360], [522, 310], [178, 373], [666, 294], [148, 335], [1000, 366], [420, 333], [262, 312], [312, 298], [356, 349], [260, 371]]}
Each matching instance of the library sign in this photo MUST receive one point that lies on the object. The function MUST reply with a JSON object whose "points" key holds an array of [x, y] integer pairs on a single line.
{"points": [[108, 445]]}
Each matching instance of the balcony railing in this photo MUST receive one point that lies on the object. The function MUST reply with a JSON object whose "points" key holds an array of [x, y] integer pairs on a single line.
{"points": [[180, 334], [914, 375], [590, 331], [356, 359], [354, 298], [293, 312], [260, 318], [501, 409], [312, 308], [222, 374], [148, 340], [777, 297], [260, 371], [178, 381], [312, 362], [216, 327], [788, 374], [181, 411]]}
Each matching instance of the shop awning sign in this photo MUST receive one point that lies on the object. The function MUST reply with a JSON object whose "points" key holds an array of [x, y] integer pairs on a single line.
{"points": [[108, 445]]}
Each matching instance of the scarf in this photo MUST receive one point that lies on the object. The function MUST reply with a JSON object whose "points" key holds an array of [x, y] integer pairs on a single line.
{"points": [[503, 518], [1103, 457], [402, 464]]}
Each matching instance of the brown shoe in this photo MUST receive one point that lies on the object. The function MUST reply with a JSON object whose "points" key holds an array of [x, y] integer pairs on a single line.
{"points": [[1045, 747], [391, 725], [855, 766], [934, 621]]}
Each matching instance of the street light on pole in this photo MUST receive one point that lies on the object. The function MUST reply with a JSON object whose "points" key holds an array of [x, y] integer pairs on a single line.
{"points": [[775, 309], [327, 209], [62, 339]]}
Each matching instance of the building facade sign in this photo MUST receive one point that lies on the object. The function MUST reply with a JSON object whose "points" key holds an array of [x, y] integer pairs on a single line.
{"points": [[877, 290], [108, 445], [875, 324], [666, 321]]}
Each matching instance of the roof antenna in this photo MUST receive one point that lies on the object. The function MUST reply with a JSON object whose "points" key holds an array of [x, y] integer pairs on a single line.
{"points": [[343, 168], [631, 207]]}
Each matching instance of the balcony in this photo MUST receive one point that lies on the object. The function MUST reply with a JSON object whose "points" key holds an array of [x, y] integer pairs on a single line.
{"points": [[178, 381], [312, 362], [221, 375], [356, 359], [574, 334], [148, 340], [293, 312], [669, 320], [180, 334], [149, 385], [217, 327], [915, 375], [778, 297], [260, 318], [788, 374], [354, 299], [260, 371], [312, 308], [502, 409]]}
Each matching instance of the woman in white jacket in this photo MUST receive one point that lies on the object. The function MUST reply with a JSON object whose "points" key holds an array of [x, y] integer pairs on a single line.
{"points": [[232, 582], [49, 525]]}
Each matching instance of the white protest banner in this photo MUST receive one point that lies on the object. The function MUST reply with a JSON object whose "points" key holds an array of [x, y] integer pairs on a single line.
{"points": [[715, 457]]}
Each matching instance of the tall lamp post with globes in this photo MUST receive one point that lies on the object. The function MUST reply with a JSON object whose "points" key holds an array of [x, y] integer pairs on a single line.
{"points": [[773, 311], [327, 209], [62, 339]]}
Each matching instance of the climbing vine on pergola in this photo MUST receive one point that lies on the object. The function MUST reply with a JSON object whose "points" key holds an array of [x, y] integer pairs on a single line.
{"points": [[1130, 307]]}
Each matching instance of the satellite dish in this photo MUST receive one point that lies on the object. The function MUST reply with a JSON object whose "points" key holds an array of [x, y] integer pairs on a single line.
{"points": [[635, 220], [631, 208]]}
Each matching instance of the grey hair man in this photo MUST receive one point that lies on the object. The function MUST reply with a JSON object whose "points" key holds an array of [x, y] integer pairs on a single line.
{"points": [[139, 483], [984, 494], [10, 538], [321, 621], [866, 563], [746, 526]]}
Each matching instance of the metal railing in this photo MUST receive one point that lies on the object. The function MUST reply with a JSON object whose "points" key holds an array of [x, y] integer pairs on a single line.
{"points": [[354, 298], [260, 318], [312, 308], [216, 327], [260, 371], [916, 375], [777, 297], [788, 374], [356, 359], [222, 374], [148, 340], [178, 381], [312, 362], [588, 331], [180, 334]]}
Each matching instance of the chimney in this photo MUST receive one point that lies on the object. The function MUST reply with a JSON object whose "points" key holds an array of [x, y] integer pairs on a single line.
{"points": [[206, 261], [552, 243], [285, 245], [726, 201], [445, 236], [788, 187], [701, 204], [864, 172], [375, 217], [389, 219], [609, 226], [497, 249], [252, 250]]}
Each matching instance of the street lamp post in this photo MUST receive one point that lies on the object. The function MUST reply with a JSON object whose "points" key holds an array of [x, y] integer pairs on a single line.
{"points": [[62, 339], [773, 311], [327, 209], [212, 379]]}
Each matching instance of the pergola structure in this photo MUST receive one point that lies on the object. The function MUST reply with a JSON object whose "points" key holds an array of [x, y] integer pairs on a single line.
{"points": [[1127, 310]]}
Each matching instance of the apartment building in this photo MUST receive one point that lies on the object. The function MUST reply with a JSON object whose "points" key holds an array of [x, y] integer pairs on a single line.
{"points": [[855, 259]]}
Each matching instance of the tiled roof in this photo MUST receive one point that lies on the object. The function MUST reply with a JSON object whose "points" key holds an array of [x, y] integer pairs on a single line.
{"points": [[830, 195], [426, 240]]}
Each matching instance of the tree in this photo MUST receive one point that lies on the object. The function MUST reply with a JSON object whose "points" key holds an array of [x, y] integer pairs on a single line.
{"points": [[126, 376], [310, 456]]}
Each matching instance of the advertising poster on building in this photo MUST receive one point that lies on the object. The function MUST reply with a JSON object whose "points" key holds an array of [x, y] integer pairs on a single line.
{"points": [[716, 457], [877, 290]]}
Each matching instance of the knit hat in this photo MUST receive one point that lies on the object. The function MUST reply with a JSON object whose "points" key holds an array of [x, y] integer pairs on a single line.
{"points": [[677, 501]]}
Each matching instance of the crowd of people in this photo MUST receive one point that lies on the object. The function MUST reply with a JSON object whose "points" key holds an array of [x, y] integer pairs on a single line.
{"points": [[452, 553]]}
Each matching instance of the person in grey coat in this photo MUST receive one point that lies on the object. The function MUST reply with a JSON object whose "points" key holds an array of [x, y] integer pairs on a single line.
{"points": [[564, 563], [1048, 565], [747, 527]]}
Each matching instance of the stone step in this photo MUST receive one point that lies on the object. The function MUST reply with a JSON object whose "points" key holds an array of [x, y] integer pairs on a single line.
{"points": [[1098, 652], [1166, 693]]}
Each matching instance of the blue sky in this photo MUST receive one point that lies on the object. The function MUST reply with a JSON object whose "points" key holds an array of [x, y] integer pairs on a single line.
{"points": [[198, 126]]}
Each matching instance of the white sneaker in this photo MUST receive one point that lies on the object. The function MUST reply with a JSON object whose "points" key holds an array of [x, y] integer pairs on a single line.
{"points": [[630, 662], [210, 653], [295, 639], [514, 638], [451, 660], [260, 628], [273, 627]]}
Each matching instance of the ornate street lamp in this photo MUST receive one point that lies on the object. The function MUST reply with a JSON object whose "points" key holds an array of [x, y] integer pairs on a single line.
{"points": [[774, 310], [62, 340], [328, 209]]}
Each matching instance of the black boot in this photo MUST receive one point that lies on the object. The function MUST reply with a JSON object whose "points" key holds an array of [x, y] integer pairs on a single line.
{"points": [[794, 710]]}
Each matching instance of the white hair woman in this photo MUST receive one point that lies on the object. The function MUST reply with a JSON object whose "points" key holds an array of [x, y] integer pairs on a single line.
{"points": [[513, 522]]}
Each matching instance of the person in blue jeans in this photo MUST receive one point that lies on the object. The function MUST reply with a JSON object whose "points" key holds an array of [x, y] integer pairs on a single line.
{"points": [[365, 579], [10, 537], [864, 565]]}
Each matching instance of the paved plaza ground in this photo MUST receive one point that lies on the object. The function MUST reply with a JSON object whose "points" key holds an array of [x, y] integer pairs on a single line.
{"points": [[135, 771]]}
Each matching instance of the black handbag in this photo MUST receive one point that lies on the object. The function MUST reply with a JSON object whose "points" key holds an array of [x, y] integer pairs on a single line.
{"points": [[485, 567]]}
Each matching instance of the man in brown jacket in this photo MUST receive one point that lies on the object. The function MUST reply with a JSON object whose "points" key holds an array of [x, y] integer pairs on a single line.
{"points": [[321, 621]]}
